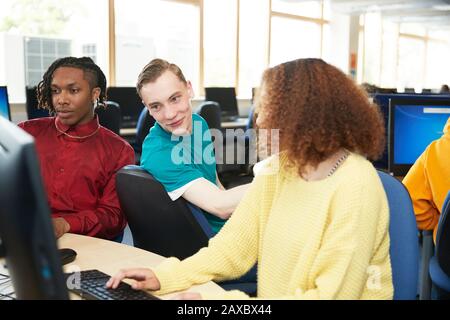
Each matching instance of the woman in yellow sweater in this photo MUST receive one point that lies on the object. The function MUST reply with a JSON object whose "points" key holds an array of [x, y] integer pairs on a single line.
{"points": [[315, 218]]}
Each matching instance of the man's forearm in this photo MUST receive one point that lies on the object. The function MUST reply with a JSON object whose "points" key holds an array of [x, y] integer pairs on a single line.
{"points": [[212, 199]]}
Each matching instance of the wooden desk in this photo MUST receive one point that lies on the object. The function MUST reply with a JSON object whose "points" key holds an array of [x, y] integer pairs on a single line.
{"points": [[110, 257]]}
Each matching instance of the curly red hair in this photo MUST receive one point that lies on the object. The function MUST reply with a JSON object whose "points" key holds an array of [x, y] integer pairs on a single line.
{"points": [[318, 110]]}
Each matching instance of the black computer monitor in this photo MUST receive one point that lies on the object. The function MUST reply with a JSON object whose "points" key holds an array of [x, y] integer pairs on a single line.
{"points": [[414, 124], [383, 100], [129, 102], [386, 90], [26, 229], [5, 110], [33, 111], [226, 97]]}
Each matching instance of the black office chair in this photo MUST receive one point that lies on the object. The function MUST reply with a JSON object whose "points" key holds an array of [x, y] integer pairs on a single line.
{"points": [[157, 223], [110, 116], [210, 111], [168, 228], [436, 259], [145, 122]]}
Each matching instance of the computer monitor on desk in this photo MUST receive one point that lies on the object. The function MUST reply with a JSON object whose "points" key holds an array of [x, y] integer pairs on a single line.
{"points": [[5, 110], [383, 101], [414, 124], [129, 102], [26, 229], [226, 98]]}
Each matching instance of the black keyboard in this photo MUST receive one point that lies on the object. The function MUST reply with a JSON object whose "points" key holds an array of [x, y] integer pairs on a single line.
{"points": [[92, 287]]}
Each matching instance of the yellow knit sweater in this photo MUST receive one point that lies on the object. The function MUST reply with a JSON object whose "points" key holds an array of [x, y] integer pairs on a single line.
{"points": [[324, 239], [428, 181]]}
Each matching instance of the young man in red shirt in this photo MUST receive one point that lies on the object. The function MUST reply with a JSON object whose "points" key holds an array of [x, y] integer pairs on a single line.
{"points": [[78, 157]]}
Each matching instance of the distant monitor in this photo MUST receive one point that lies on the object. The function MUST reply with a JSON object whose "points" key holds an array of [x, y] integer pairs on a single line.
{"points": [[5, 110], [383, 100], [26, 229], [414, 124], [129, 102], [226, 97], [386, 90], [33, 111]]}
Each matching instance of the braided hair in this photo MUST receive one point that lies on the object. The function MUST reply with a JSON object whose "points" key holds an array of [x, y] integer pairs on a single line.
{"points": [[96, 78]]}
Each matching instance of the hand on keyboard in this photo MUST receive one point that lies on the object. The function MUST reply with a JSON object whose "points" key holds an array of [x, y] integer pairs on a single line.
{"points": [[92, 286], [145, 279]]}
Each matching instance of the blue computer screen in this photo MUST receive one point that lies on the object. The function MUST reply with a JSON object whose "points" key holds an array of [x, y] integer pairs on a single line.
{"points": [[4, 104], [383, 100], [415, 127]]}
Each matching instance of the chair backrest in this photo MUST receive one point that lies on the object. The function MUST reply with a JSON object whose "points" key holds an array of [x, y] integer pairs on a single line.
{"points": [[110, 116], [145, 122], [443, 237], [404, 247], [251, 120], [210, 111], [157, 223]]}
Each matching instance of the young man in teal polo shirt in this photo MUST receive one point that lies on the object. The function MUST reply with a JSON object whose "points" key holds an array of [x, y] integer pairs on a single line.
{"points": [[179, 151]]}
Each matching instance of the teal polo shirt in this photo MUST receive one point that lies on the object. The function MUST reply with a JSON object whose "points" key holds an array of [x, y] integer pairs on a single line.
{"points": [[177, 160]]}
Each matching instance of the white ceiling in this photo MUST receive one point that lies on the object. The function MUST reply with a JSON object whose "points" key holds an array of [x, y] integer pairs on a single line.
{"points": [[431, 13]]}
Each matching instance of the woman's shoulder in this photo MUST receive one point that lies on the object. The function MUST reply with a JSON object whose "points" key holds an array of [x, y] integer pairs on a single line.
{"points": [[269, 166], [358, 172]]}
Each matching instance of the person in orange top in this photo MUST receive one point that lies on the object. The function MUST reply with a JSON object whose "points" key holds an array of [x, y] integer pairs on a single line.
{"points": [[428, 181]]}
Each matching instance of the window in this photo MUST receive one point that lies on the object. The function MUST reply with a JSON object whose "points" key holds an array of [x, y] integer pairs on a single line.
{"points": [[438, 51], [284, 47], [298, 30], [411, 60], [156, 29], [372, 48], [410, 55], [311, 9], [220, 41], [40, 54], [215, 42], [253, 44], [32, 45], [389, 55], [327, 49], [413, 28], [361, 52], [438, 67], [90, 50]]}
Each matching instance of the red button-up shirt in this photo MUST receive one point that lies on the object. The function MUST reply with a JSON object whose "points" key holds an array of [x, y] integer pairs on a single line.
{"points": [[79, 173]]}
